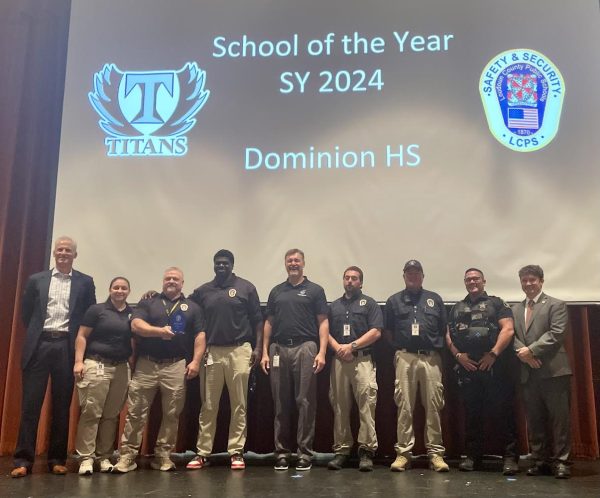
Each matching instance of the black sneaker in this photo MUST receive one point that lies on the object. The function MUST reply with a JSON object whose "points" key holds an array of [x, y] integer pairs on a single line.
{"points": [[469, 464], [281, 463], [338, 462], [303, 464]]}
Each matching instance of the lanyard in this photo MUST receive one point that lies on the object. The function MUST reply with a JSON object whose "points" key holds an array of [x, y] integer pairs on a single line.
{"points": [[175, 306]]}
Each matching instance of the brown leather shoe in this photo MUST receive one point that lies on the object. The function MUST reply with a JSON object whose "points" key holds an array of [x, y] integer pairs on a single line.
{"points": [[19, 472], [59, 470]]}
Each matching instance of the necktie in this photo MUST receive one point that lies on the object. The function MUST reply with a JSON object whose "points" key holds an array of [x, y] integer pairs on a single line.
{"points": [[529, 312]]}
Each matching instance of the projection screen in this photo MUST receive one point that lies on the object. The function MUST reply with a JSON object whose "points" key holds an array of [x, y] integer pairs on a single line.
{"points": [[459, 133]]}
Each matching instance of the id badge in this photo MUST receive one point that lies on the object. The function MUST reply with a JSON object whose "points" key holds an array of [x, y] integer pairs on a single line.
{"points": [[346, 330], [209, 360], [100, 370], [276, 361], [415, 329]]}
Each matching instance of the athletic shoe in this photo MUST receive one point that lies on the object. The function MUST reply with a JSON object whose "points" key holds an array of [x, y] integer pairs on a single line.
{"points": [[106, 465], [198, 462], [125, 464], [338, 462], [237, 462], [366, 462], [163, 464], [303, 464], [281, 463], [86, 467]]}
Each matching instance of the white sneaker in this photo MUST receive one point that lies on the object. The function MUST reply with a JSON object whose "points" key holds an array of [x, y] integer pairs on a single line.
{"points": [[86, 467], [162, 463], [125, 464], [105, 465]]}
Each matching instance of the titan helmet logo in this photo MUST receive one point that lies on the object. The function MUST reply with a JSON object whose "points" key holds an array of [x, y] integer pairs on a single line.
{"points": [[147, 113], [522, 93]]}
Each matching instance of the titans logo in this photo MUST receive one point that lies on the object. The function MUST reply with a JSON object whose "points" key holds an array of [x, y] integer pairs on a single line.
{"points": [[148, 113]]}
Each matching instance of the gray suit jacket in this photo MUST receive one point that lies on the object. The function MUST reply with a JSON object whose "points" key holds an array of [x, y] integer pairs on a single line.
{"points": [[35, 303], [545, 336]]}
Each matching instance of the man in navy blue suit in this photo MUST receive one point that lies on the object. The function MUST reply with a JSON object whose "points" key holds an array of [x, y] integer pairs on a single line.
{"points": [[53, 305]]}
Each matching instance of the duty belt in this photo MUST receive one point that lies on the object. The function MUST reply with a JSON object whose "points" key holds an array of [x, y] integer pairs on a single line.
{"points": [[362, 352]]}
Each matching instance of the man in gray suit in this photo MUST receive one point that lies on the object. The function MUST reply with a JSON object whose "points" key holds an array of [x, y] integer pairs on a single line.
{"points": [[53, 306], [540, 325]]}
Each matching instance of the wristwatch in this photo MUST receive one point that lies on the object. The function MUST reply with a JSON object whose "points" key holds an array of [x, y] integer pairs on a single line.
{"points": [[354, 346]]}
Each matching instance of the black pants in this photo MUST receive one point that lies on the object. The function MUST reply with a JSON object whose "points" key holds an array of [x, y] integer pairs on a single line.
{"points": [[51, 359], [489, 395]]}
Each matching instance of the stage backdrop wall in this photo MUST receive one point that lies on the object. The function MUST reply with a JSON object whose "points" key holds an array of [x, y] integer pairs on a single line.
{"points": [[33, 46]]}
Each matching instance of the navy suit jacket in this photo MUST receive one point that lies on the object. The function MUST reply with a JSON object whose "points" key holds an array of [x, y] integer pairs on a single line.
{"points": [[35, 304]]}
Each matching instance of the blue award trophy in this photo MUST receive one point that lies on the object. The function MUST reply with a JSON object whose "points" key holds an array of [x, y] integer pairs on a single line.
{"points": [[177, 322]]}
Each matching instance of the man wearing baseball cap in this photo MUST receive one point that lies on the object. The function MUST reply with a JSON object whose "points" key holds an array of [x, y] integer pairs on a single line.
{"points": [[415, 326]]}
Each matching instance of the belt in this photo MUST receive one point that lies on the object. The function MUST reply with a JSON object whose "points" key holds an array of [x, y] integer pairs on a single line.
{"points": [[424, 352], [107, 361], [362, 352], [291, 342], [229, 345], [54, 334], [162, 360]]}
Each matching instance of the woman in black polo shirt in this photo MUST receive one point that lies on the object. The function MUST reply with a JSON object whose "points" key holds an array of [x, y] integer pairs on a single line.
{"points": [[102, 378]]}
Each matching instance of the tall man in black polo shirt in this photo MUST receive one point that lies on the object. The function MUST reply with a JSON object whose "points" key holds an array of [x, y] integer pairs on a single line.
{"points": [[233, 319], [298, 327], [415, 326], [355, 322], [166, 325], [479, 335]]}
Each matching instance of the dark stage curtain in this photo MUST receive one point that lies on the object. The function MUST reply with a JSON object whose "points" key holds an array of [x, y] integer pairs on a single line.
{"points": [[33, 47]]}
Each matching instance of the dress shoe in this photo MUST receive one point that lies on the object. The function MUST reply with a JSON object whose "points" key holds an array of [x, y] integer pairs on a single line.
{"points": [[539, 469], [510, 467], [562, 471], [59, 470], [19, 472]]}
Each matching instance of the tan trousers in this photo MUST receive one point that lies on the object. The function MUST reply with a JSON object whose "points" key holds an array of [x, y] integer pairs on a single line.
{"points": [[353, 379], [229, 365], [101, 398], [424, 373], [147, 379]]}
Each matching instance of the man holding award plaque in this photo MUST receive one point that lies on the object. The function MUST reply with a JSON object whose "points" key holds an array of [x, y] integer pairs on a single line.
{"points": [[168, 327]]}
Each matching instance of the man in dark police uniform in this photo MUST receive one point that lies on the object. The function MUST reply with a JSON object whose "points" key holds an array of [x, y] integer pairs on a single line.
{"points": [[480, 337], [233, 320], [295, 339], [169, 327], [415, 325], [355, 322]]}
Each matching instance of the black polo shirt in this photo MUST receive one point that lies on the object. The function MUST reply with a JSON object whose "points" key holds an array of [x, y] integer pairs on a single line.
{"points": [[159, 311], [361, 312], [294, 310], [111, 331], [231, 310], [425, 308]]}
